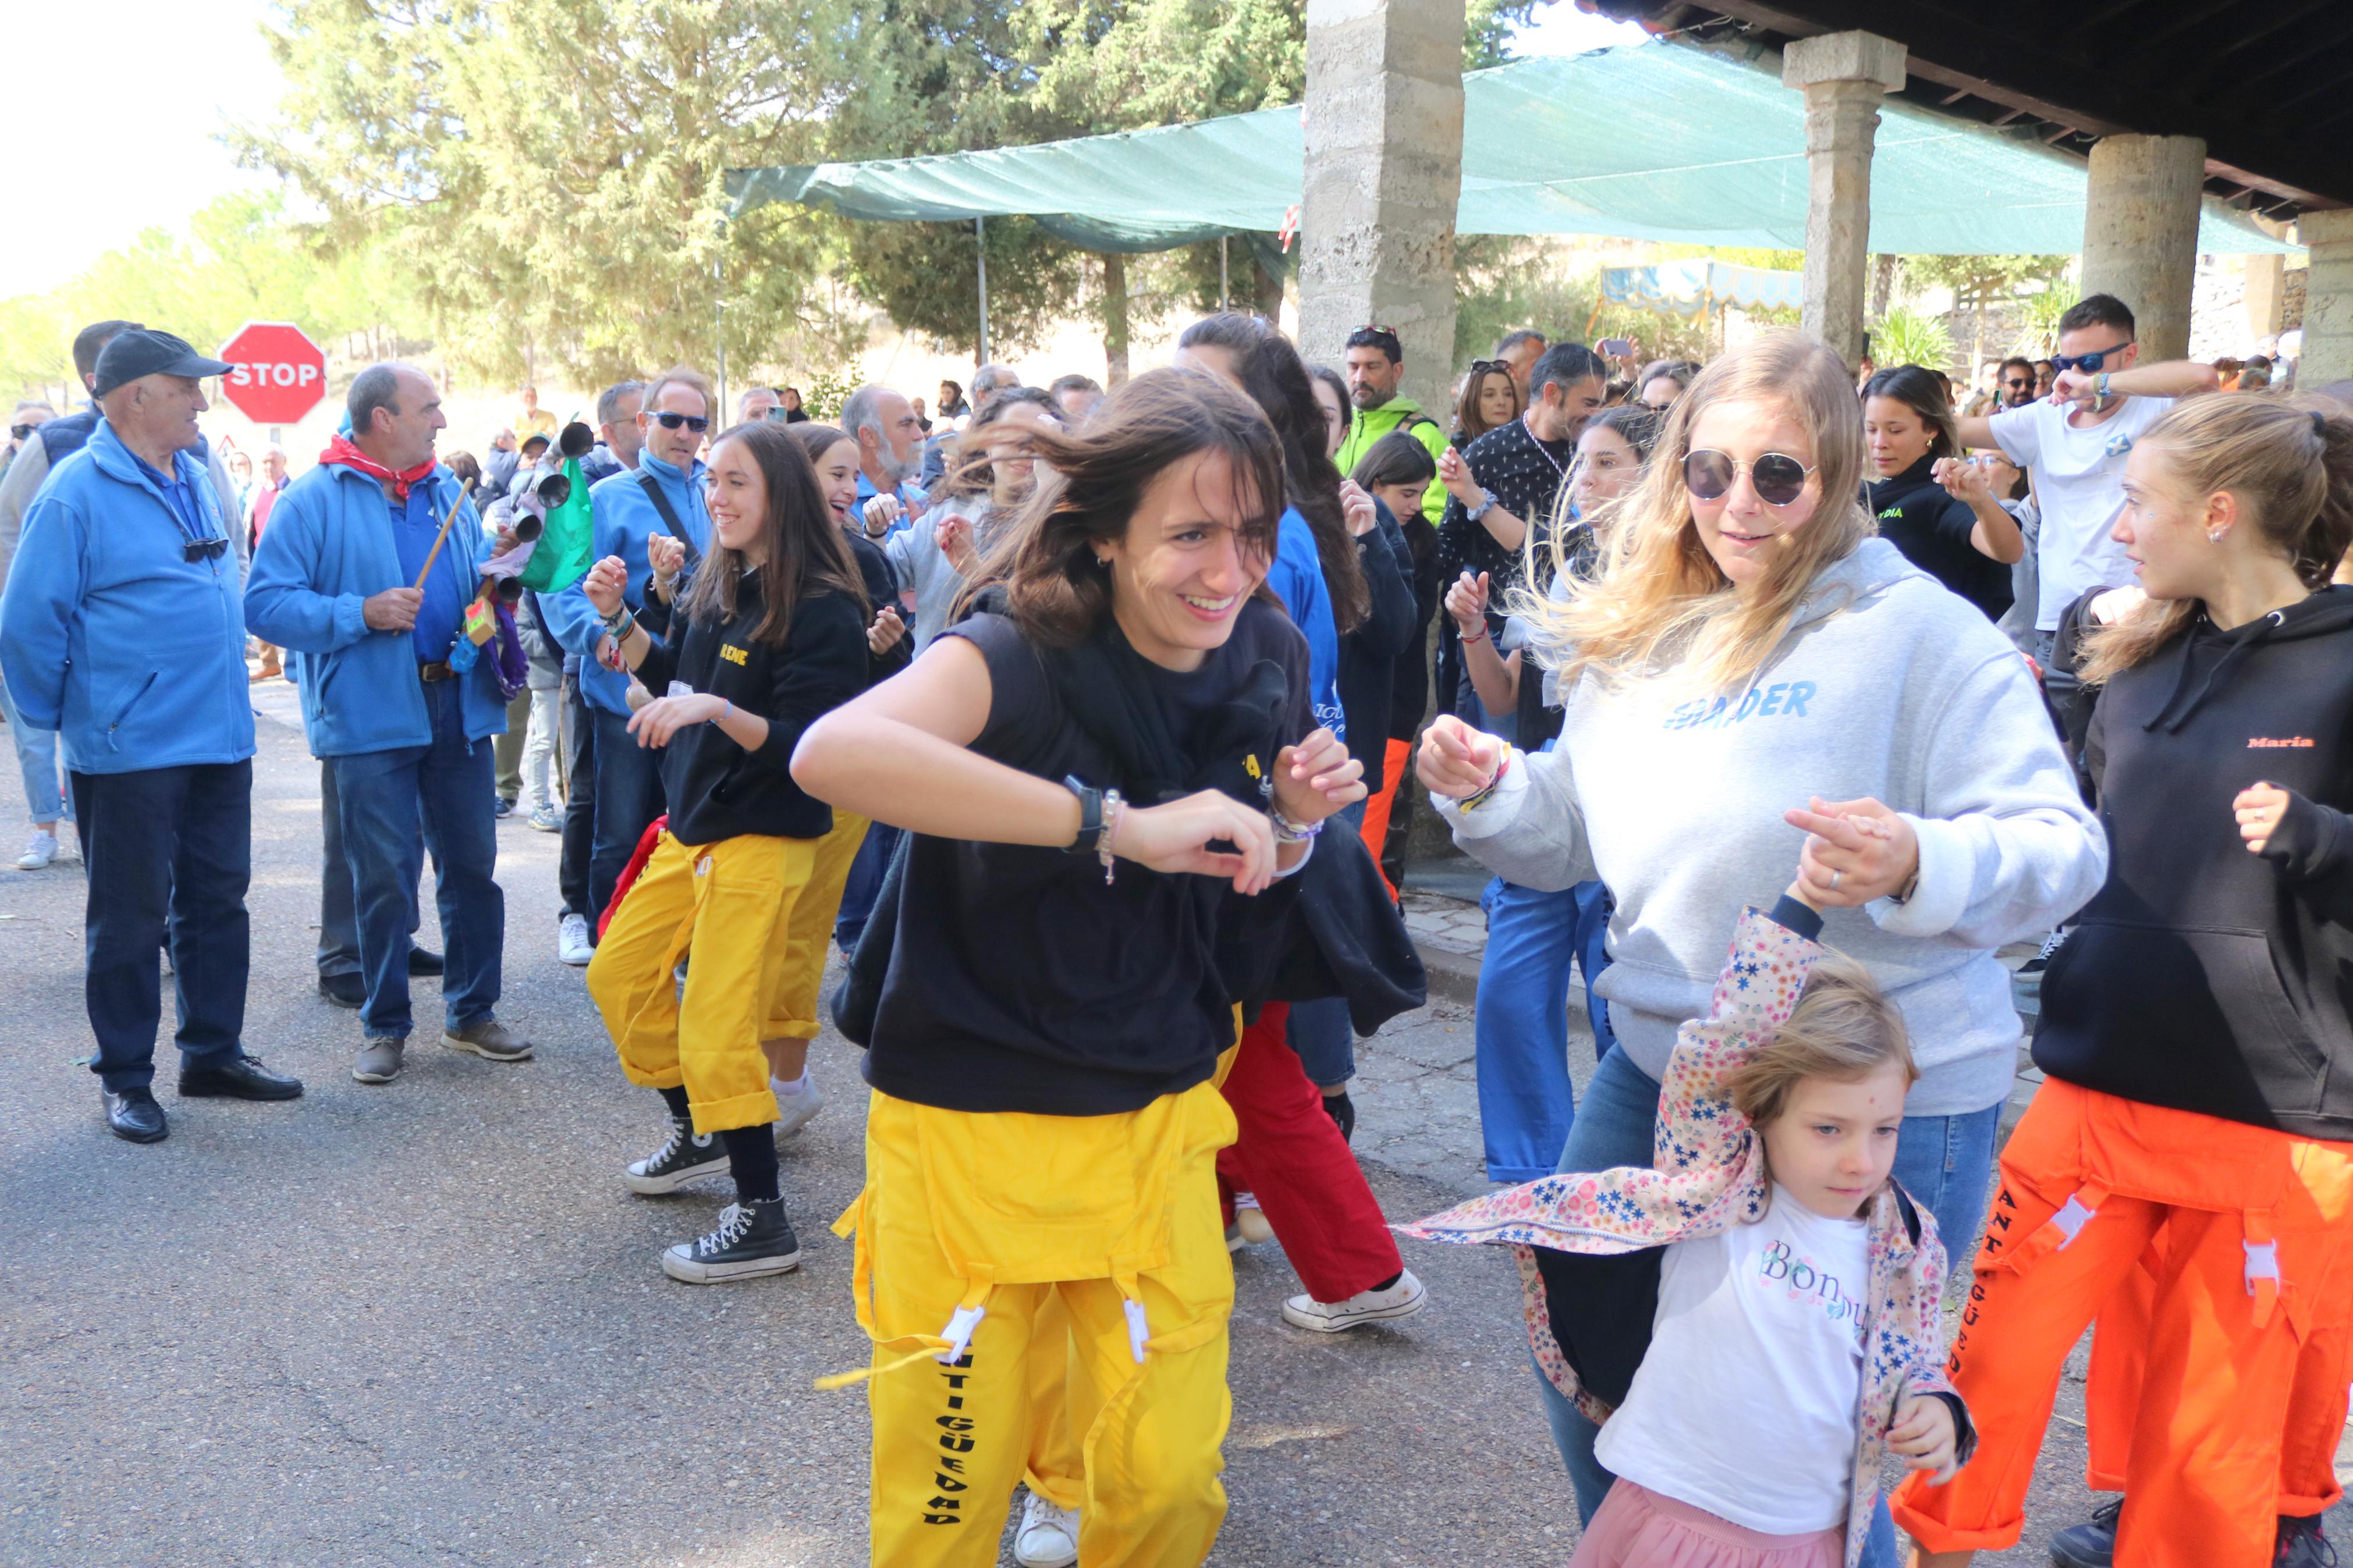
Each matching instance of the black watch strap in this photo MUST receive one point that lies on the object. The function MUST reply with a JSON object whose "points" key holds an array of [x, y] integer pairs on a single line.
{"points": [[1091, 808]]}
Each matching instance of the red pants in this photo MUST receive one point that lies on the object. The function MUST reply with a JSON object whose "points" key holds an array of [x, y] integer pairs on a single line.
{"points": [[1291, 1154], [2251, 1273]]}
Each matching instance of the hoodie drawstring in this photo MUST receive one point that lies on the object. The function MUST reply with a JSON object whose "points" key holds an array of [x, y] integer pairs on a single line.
{"points": [[2248, 640]]}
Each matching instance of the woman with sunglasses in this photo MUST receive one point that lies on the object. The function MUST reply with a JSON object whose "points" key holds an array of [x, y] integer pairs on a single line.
{"points": [[1747, 660], [1929, 502], [1490, 400]]}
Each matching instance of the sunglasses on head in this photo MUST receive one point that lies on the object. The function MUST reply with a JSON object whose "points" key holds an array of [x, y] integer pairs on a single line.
{"points": [[203, 549], [1779, 479], [694, 422], [2089, 363]]}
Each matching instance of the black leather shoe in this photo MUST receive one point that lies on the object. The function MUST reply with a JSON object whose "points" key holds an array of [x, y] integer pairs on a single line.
{"points": [[424, 960], [135, 1117], [343, 990], [244, 1078]]}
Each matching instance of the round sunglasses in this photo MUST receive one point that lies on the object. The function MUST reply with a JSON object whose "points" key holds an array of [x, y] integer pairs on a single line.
{"points": [[1779, 479]]}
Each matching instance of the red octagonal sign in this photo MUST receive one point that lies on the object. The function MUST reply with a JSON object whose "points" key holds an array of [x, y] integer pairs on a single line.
{"points": [[276, 373]]}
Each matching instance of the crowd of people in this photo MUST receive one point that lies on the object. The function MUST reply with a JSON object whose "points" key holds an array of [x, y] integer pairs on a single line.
{"points": [[1778, 695]]}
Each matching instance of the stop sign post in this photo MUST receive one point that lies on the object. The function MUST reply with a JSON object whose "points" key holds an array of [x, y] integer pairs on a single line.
{"points": [[277, 375]]}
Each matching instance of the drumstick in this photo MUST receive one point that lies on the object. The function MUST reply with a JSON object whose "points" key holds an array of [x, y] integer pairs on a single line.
{"points": [[440, 539]]}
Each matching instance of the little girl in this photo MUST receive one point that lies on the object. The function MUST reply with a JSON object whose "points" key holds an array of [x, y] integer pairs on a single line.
{"points": [[1787, 1333]]}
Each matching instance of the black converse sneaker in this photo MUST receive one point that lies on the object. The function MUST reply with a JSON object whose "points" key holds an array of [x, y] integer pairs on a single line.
{"points": [[752, 1238], [684, 1156]]}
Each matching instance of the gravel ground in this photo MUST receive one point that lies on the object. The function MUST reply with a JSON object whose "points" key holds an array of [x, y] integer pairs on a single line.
{"points": [[424, 1325]]}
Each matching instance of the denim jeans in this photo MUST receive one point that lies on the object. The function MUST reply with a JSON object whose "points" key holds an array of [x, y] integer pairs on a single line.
{"points": [[1526, 1100], [166, 849], [37, 754], [628, 796], [1320, 1030], [1945, 1162], [579, 804], [379, 796], [864, 884], [339, 920]]}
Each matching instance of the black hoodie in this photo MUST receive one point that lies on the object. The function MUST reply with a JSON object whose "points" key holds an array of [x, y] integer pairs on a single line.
{"points": [[1932, 527], [2203, 977]]}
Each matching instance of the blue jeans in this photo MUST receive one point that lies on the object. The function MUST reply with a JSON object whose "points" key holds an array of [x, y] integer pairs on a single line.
{"points": [[379, 796], [628, 796], [864, 884], [1320, 1031], [339, 920], [1945, 1162], [1526, 1100], [167, 848], [37, 751]]}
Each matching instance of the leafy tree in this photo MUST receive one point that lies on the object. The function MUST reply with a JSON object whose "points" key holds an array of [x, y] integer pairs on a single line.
{"points": [[1905, 336]]}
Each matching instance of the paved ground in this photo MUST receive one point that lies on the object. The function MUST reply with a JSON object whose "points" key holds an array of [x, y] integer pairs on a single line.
{"points": [[423, 1323]]}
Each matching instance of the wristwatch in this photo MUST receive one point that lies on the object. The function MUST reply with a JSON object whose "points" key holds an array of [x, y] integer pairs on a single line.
{"points": [[1091, 816]]}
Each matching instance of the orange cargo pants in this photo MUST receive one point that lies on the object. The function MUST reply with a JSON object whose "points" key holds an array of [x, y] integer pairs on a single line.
{"points": [[2252, 1268]]}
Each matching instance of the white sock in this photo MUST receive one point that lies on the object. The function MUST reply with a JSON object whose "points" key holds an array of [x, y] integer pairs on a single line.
{"points": [[798, 1086]]}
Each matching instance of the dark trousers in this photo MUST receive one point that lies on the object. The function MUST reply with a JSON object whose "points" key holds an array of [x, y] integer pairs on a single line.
{"points": [[339, 921], [579, 803], [508, 748], [166, 849], [380, 795], [628, 797], [865, 883]]}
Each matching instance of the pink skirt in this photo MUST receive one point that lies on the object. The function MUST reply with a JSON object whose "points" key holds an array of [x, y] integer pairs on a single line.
{"points": [[1637, 1528]]}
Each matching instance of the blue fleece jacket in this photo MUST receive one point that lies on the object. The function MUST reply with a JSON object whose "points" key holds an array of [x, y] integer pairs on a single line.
{"points": [[331, 544], [1297, 578], [109, 634], [625, 519]]}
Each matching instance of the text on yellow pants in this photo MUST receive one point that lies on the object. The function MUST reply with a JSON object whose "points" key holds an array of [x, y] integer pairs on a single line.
{"points": [[808, 934], [1019, 1216], [728, 905]]}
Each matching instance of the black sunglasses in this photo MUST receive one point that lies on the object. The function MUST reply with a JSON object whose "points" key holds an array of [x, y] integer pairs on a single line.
{"points": [[1779, 479], [18, 432], [694, 422], [2090, 363], [203, 549]]}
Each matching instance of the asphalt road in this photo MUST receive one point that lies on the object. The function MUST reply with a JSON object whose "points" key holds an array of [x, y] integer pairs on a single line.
{"points": [[423, 1323]]}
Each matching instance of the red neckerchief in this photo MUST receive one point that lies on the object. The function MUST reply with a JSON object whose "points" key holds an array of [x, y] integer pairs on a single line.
{"points": [[341, 450]]}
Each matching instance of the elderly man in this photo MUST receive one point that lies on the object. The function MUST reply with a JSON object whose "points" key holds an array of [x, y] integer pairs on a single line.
{"points": [[888, 438], [359, 576], [758, 403], [1520, 351], [119, 628], [617, 436], [655, 520], [28, 417]]}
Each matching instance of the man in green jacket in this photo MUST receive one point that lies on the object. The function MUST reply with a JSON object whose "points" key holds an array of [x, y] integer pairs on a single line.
{"points": [[1376, 359]]}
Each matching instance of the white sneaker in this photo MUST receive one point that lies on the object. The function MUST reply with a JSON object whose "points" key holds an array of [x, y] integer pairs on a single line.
{"points": [[796, 1110], [572, 943], [39, 852], [1249, 1221], [1402, 1299], [1048, 1536]]}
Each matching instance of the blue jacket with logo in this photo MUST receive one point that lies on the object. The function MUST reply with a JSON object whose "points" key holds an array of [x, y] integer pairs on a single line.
{"points": [[109, 634], [625, 519], [328, 547]]}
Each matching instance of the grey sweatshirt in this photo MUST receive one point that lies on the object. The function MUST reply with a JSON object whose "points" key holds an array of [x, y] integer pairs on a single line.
{"points": [[1888, 687]]}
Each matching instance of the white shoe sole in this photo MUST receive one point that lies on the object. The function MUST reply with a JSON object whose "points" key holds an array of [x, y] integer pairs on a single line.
{"points": [[793, 1114], [1318, 1323], [656, 1186], [1057, 1556], [359, 1077], [452, 1042], [688, 1272]]}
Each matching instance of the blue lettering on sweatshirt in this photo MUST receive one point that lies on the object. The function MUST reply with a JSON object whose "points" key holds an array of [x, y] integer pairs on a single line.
{"points": [[1786, 697]]}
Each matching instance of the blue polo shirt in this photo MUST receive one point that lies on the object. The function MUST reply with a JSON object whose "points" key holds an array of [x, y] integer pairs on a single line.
{"points": [[416, 525]]}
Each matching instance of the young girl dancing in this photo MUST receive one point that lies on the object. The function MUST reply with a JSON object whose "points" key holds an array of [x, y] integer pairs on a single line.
{"points": [[1797, 1336]]}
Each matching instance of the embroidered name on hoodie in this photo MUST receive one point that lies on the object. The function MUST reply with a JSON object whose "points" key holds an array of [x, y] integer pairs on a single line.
{"points": [[2264, 742], [733, 654], [1784, 697]]}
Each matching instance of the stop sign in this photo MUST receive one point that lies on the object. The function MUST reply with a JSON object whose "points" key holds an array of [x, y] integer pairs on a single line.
{"points": [[276, 373]]}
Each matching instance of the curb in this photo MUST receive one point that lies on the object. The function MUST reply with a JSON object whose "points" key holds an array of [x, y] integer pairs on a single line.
{"points": [[1451, 976]]}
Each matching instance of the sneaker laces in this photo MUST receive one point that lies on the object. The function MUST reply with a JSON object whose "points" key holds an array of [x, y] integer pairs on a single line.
{"points": [[2051, 945], [671, 1147], [735, 1222], [1039, 1512], [2108, 1513]]}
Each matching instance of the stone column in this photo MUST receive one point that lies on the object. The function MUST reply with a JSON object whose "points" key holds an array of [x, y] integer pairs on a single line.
{"points": [[2266, 288], [2327, 300], [1843, 75], [2140, 234], [1383, 131]]}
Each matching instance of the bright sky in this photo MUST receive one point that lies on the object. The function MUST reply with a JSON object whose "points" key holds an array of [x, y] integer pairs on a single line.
{"points": [[178, 73]]}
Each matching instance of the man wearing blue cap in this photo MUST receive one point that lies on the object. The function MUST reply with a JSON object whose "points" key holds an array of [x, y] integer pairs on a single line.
{"points": [[122, 627]]}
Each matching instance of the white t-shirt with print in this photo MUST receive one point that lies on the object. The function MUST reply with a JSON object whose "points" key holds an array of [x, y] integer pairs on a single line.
{"points": [[1745, 1404], [2079, 478]]}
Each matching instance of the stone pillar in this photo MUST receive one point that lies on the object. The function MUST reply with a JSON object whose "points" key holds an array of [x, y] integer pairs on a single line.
{"points": [[1383, 134], [2266, 288], [2140, 234], [1844, 76], [2327, 300]]}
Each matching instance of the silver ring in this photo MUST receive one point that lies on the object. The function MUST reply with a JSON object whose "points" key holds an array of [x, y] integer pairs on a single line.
{"points": [[1835, 874]]}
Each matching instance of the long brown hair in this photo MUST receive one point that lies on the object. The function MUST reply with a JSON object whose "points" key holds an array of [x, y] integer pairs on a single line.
{"points": [[1468, 423], [1660, 605], [2290, 463], [807, 555], [1057, 591]]}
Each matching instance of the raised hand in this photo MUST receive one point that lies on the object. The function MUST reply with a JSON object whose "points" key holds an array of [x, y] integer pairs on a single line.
{"points": [[1466, 601], [1966, 480], [666, 555], [1457, 761], [886, 631], [1176, 838], [604, 584], [1358, 508], [1316, 777], [882, 514], [1855, 851], [1455, 475], [2259, 807], [394, 610]]}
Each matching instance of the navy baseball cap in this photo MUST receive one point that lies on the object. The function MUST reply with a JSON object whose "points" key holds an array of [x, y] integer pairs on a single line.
{"points": [[139, 351]]}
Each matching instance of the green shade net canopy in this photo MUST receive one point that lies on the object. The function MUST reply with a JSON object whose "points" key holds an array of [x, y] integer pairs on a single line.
{"points": [[1657, 141]]}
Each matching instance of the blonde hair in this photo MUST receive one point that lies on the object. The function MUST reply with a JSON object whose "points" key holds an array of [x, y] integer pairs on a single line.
{"points": [[1844, 1028], [1658, 602], [2290, 464]]}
